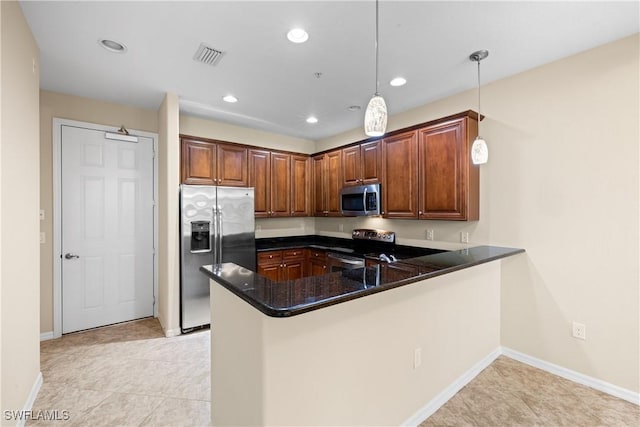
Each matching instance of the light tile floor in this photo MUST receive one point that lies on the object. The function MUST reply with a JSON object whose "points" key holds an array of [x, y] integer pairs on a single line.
{"points": [[130, 374], [510, 393], [126, 374]]}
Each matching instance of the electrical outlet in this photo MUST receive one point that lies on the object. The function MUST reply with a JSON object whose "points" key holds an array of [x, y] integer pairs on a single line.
{"points": [[429, 234], [41, 214], [579, 331], [464, 237], [42, 239], [417, 358], [341, 227]]}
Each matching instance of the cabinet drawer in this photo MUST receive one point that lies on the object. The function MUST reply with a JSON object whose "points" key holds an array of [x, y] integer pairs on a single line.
{"points": [[269, 257], [317, 254], [293, 254]]}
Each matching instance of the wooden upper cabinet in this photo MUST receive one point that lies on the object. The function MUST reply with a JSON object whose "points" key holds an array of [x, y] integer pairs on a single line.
{"points": [[333, 182], [351, 165], [232, 165], [318, 173], [205, 162], [280, 184], [327, 182], [259, 179], [361, 164], [449, 183], [400, 176], [198, 162], [300, 185]]}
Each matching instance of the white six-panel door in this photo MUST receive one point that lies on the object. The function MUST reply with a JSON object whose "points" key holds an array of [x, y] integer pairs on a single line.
{"points": [[107, 229]]}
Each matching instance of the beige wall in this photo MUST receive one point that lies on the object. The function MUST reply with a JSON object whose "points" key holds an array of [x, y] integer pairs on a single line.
{"points": [[86, 110], [168, 216], [19, 223], [562, 182], [287, 371], [225, 132]]}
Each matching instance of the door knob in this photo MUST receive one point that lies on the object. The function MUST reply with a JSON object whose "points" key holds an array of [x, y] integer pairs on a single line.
{"points": [[71, 256]]}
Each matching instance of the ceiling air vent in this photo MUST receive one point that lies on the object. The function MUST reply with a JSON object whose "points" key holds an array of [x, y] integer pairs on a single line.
{"points": [[207, 55]]}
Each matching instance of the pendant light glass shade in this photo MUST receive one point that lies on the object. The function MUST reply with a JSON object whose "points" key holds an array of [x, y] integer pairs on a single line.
{"points": [[375, 118], [479, 149]]}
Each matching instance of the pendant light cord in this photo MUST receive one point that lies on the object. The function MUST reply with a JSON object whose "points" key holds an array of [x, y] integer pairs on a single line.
{"points": [[479, 115], [376, 48]]}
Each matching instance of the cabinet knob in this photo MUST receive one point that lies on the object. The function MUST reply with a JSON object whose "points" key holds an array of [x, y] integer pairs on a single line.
{"points": [[419, 212], [270, 256], [284, 265]]}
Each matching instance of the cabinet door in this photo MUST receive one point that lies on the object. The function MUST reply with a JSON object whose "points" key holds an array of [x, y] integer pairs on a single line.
{"points": [[271, 271], [293, 270], [232, 166], [198, 162], [259, 179], [318, 175], [270, 264], [447, 179], [300, 180], [280, 184], [351, 174], [316, 262], [371, 162], [333, 182], [400, 176]]}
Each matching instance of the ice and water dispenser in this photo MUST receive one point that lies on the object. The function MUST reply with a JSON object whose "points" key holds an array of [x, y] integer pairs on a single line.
{"points": [[200, 240]]}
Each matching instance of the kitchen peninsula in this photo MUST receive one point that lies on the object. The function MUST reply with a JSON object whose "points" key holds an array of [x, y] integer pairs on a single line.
{"points": [[370, 346]]}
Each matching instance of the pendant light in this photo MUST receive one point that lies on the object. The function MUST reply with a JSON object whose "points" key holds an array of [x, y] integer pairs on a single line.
{"points": [[375, 117], [479, 149]]}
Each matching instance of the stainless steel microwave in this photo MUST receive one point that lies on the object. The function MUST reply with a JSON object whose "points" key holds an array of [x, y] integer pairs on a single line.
{"points": [[361, 200]]}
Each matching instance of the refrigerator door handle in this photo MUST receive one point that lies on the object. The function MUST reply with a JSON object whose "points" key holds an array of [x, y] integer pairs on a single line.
{"points": [[214, 236], [220, 235]]}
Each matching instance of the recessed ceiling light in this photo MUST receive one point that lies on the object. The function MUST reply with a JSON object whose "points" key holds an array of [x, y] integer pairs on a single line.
{"points": [[312, 119], [297, 35], [230, 98], [112, 45], [398, 81], [354, 108]]}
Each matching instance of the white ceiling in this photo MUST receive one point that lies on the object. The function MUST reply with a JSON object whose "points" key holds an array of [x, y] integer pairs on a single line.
{"points": [[426, 42]]}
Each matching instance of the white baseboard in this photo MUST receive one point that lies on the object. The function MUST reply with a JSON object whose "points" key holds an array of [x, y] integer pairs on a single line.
{"points": [[31, 399], [172, 332], [47, 336], [574, 376], [432, 406]]}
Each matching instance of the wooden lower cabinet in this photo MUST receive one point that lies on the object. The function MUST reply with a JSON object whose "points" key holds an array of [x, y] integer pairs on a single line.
{"points": [[270, 264], [293, 264], [282, 265], [316, 262]]}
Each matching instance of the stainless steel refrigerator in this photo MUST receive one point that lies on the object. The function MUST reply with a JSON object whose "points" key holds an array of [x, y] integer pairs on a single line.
{"points": [[216, 226]]}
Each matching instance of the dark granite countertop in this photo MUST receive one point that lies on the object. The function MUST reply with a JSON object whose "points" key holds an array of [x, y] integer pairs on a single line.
{"points": [[290, 298]]}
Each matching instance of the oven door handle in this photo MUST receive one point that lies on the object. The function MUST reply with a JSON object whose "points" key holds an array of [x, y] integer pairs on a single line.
{"points": [[345, 261]]}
